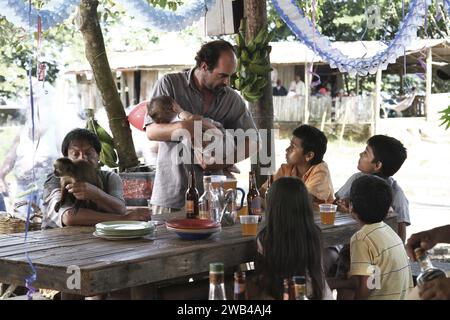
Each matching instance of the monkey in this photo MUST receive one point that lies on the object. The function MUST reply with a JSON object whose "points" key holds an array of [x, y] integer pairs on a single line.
{"points": [[71, 171]]}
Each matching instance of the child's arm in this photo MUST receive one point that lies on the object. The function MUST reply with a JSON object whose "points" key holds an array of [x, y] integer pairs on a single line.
{"points": [[362, 291], [349, 283], [358, 284]]}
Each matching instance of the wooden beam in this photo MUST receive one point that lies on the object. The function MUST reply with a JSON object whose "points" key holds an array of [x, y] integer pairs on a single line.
{"points": [[307, 92], [428, 82], [377, 104]]}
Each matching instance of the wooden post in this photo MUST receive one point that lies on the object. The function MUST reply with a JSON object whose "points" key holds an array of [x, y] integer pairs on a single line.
{"points": [[428, 83], [377, 104], [307, 94], [256, 13], [96, 55]]}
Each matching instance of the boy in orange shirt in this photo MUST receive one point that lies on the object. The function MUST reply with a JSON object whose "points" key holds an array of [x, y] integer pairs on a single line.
{"points": [[304, 159]]}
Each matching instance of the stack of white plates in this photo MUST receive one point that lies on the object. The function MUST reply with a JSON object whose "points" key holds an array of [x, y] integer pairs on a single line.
{"points": [[119, 230]]}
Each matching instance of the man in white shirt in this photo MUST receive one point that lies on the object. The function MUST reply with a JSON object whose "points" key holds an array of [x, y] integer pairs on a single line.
{"points": [[297, 87]]}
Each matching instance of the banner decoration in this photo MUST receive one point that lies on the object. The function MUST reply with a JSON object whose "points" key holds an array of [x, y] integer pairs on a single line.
{"points": [[52, 14], [302, 27], [147, 16]]}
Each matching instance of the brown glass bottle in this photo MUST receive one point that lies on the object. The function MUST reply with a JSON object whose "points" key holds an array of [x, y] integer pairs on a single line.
{"points": [[191, 206], [428, 271], [240, 288], [253, 197]]}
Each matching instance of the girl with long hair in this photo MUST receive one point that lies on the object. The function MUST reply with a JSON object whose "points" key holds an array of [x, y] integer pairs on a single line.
{"points": [[290, 242]]}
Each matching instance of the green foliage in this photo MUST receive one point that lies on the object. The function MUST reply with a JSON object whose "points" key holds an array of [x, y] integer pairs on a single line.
{"points": [[445, 117]]}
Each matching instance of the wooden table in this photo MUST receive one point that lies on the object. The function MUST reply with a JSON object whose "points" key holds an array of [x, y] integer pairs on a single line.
{"points": [[110, 265]]}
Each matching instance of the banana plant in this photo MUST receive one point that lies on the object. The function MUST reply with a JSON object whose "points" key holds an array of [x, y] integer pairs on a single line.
{"points": [[252, 66]]}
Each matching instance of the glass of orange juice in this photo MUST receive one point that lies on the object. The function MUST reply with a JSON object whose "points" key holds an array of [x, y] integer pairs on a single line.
{"points": [[327, 213], [249, 225]]}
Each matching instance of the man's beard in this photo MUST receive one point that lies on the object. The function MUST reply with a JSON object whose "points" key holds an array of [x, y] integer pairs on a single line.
{"points": [[218, 89]]}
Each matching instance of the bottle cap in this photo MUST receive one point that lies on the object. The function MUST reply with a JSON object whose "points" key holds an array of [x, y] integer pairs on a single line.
{"points": [[299, 279], [207, 179], [216, 267]]}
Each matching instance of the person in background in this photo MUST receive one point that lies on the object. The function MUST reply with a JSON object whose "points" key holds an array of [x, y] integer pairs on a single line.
{"points": [[289, 244], [30, 158], [109, 202], [297, 87], [436, 289], [304, 159], [383, 157], [379, 266], [279, 89]]}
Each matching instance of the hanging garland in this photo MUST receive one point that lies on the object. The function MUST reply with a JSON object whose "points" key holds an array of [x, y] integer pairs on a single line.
{"points": [[295, 19], [52, 14], [147, 16]]}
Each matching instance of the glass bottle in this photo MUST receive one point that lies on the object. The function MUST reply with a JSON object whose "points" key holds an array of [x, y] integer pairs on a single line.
{"points": [[192, 200], [253, 197], [209, 202], [216, 282], [240, 288], [286, 290], [299, 287], [428, 271]]}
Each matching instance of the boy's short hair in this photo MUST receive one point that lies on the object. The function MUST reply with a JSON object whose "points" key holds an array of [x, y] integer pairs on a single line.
{"points": [[389, 151], [80, 135], [160, 109], [312, 140], [371, 197]]}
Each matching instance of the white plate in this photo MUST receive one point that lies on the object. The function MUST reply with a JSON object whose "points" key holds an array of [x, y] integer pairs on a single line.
{"points": [[123, 226], [116, 237], [198, 231]]}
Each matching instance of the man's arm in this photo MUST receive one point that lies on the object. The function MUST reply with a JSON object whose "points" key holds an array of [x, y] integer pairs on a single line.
{"points": [[88, 217], [104, 201], [427, 239], [249, 149]]}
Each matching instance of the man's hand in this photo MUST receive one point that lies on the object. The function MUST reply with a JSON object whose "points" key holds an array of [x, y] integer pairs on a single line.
{"points": [[436, 289], [424, 239], [138, 214], [84, 191]]}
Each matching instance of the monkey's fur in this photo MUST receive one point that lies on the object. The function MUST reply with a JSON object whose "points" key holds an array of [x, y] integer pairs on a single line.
{"points": [[71, 171]]}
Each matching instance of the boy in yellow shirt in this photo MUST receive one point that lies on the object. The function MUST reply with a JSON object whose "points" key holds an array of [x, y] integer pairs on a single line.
{"points": [[379, 266], [304, 159]]}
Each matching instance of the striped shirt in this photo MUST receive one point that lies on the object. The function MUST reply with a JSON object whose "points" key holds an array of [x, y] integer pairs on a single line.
{"points": [[378, 252]]}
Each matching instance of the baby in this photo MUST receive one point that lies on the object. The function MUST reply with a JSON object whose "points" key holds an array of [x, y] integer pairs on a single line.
{"points": [[164, 109]]}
